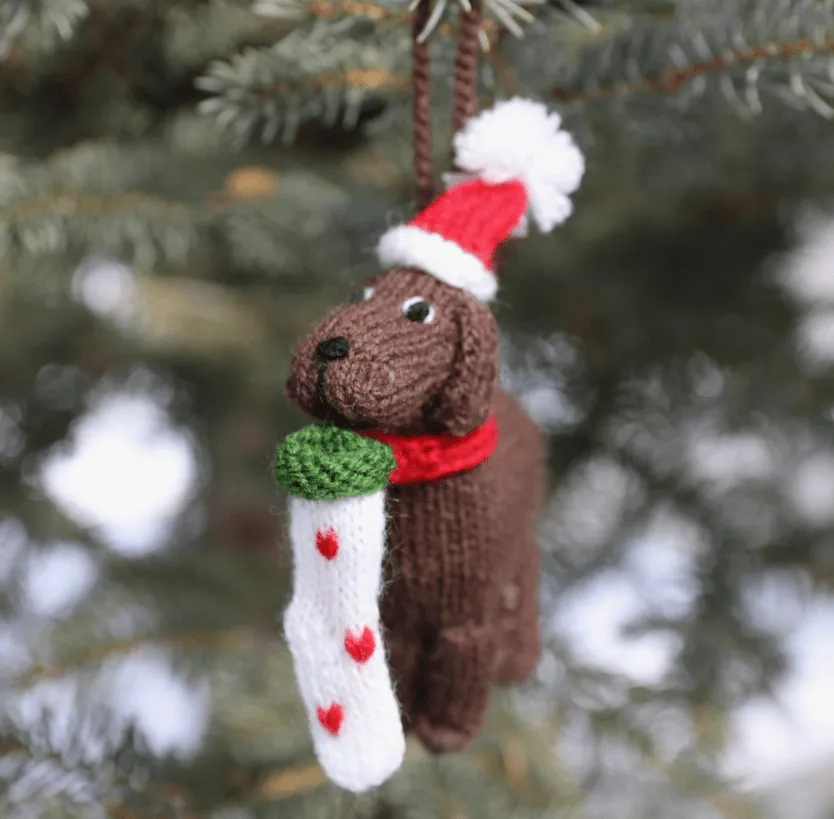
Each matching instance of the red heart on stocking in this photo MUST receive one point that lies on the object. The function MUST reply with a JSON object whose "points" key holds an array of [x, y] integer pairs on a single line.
{"points": [[327, 543], [361, 648], [331, 719]]}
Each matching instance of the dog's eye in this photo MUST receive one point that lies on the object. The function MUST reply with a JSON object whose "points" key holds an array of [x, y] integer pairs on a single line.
{"points": [[415, 309], [362, 295]]}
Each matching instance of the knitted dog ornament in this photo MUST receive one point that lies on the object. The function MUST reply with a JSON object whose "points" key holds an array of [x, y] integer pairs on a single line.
{"points": [[421, 476]]}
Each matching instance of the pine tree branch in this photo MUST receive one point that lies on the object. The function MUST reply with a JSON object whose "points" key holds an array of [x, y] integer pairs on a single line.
{"points": [[672, 79], [43, 25], [104, 26], [324, 71], [220, 641], [193, 35], [344, 55], [738, 46], [133, 202], [500, 15], [333, 10], [507, 762], [286, 782], [368, 79], [134, 226], [383, 16], [83, 762]]}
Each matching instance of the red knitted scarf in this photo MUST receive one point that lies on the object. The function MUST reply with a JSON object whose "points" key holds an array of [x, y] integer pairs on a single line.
{"points": [[422, 458]]}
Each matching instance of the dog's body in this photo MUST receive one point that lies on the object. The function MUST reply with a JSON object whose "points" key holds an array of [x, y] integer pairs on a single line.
{"points": [[460, 605]]}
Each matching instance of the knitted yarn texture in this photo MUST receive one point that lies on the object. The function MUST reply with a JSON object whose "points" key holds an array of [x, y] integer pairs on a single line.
{"points": [[336, 481], [323, 462], [461, 600], [422, 458], [519, 161]]}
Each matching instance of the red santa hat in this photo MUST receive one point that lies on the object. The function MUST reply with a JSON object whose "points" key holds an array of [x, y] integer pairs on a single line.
{"points": [[515, 160]]}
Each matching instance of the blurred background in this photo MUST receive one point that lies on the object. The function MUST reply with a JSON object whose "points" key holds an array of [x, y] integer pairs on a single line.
{"points": [[187, 185]]}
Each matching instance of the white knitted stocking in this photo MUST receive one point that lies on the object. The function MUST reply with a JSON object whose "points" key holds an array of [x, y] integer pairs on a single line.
{"points": [[332, 628]]}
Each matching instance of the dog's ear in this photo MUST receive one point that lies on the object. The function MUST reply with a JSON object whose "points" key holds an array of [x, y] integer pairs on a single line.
{"points": [[465, 400]]}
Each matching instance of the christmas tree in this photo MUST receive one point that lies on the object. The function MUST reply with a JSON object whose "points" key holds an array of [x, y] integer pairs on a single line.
{"points": [[187, 185]]}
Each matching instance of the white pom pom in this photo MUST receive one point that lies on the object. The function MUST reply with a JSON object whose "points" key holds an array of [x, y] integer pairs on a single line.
{"points": [[520, 139]]}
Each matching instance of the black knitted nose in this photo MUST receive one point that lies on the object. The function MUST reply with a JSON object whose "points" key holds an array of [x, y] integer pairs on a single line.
{"points": [[332, 349]]}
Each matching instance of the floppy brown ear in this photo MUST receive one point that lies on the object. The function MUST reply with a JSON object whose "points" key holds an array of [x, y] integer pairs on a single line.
{"points": [[465, 400]]}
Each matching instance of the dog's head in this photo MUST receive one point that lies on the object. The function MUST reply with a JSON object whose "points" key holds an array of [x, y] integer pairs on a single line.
{"points": [[409, 354]]}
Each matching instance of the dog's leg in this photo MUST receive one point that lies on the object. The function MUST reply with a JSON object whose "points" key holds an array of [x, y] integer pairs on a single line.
{"points": [[521, 463], [519, 642], [459, 538], [455, 688], [444, 537]]}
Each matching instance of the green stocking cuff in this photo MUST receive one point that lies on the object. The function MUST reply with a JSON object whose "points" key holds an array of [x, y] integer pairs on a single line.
{"points": [[323, 462]]}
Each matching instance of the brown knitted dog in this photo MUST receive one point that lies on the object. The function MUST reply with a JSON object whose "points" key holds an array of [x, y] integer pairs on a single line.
{"points": [[460, 605], [413, 364]]}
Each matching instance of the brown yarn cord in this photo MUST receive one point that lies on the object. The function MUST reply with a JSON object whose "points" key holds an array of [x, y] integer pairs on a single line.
{"points": [[465, 104], [466, 67], [421, 80]]}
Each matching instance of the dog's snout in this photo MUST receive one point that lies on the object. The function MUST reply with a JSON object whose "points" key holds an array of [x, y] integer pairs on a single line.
{"points": [[332, 349]]}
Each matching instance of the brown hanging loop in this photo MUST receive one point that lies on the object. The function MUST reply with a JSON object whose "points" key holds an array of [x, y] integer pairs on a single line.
{"points": [[465, 94], [421, 80], [465, 104]]}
